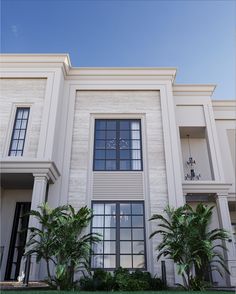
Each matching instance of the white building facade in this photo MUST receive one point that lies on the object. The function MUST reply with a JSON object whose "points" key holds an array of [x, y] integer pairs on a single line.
{"points": [[117, 140]]}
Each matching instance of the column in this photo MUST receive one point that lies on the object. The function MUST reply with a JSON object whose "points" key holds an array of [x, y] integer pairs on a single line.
{"points": [[224, 218], [38, 197]]}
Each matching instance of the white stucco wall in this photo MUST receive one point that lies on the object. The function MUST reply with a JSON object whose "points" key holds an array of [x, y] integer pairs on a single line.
{"points": [[8, 199], [226, 131]]}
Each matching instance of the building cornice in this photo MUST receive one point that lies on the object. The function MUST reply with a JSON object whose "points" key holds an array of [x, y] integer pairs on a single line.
{"points": [[193, 90], [210, 187], [42, 167], [42, 61]]}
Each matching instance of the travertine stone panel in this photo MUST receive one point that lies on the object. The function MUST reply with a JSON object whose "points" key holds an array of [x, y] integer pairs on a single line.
{"points": [[22, 92], [120, 103]]}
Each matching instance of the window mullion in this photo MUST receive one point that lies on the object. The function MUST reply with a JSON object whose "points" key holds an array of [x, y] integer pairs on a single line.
{"points": [[117, 235], [117, 145]]}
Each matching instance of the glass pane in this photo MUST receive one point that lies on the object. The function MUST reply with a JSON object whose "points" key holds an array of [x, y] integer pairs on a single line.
{"points": [[19, 153], [100, 144], [109, 247], [124, 144], [138, 261], [124, 134], [110, 208], [137, 221], [135, 144], [97, 248], [14, 144], [23, 124], [111, 124], [100, 154], [98, 231], [18, 124], [125, 234], [125, 221], [111, 135], [124, 124], [111, 144], [135, 125], [98, 208], [136, 164], [110, 234], [126, 261], [138, 247], [135, 135], [110, 221], [109, 261], [16, 134], [125, 247], [136, 154], [100, 124], [98, 221], [138, 234], [124, 165], [22, 134], [19, 113], [110, 154], [125, 208], [137, 208], [97, 261], [26, 113], [13, 153], [20, 145], [99, 165], [100, 134], [110, 165], [125, 154]]}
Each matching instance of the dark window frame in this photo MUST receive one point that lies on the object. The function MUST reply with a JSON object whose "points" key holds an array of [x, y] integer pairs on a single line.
{"points": [[117, 241], [20, 150], [117, 149]]}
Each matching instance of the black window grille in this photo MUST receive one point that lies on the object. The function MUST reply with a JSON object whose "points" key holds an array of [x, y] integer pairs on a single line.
{"points": [[117, 145], [19, 131], [122, 229]]}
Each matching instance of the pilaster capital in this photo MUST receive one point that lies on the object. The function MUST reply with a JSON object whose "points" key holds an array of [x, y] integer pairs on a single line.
{"points": [[222, 196], [41, 176]]}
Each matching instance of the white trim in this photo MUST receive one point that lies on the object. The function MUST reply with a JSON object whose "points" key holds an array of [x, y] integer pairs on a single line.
{"points": [[19, 165]]}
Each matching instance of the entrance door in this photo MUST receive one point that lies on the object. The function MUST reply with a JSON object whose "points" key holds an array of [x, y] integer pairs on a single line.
{"points": [[18, 239]]}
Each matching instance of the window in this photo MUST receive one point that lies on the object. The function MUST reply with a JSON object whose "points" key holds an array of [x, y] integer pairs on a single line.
{"points": [[117, 145], [19, 132], [121, 225]]}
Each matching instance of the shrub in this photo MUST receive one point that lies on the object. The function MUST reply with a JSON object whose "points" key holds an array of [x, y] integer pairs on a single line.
{"points": [[122, 280], [101, 281]]}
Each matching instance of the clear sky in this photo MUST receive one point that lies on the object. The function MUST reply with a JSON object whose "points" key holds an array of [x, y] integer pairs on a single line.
{"points": [[197, 37]]}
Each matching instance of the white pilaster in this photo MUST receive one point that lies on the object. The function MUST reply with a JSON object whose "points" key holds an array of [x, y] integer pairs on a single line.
{"points": [[224, 217], [38, 197]]}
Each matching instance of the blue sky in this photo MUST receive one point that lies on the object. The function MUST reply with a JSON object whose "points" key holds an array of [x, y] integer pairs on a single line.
{"points": [[197, 37]]}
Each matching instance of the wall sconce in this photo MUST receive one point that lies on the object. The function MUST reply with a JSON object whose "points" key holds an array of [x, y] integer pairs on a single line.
{"points": [[191, 176]]}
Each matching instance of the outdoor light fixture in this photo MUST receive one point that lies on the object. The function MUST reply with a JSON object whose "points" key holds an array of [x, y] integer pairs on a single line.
{"points": [[191, 176]]}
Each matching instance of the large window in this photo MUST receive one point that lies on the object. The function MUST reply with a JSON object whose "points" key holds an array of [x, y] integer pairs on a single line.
{"points": [[19, 131], [122, 230], [117, 144]]}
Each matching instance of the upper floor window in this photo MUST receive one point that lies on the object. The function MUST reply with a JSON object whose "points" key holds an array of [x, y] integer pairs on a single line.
{"points": [[19, 131], [117, 144]]}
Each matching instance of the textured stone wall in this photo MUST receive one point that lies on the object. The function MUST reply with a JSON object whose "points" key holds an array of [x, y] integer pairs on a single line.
{"points": [[21, 92], [113, 104]]}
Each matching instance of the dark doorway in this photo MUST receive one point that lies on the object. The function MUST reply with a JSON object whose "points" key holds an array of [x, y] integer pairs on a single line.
{"points": [[18, 239]]}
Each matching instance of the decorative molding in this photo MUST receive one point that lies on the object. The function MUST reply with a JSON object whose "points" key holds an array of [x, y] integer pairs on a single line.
{"points": [[35, 167]]}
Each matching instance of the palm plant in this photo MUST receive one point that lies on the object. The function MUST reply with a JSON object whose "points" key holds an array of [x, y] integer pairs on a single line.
{"points": [[188, 242], [59, 239]]}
